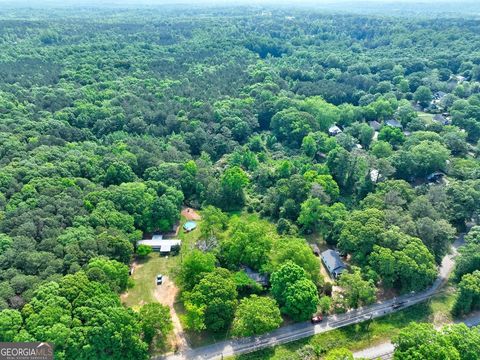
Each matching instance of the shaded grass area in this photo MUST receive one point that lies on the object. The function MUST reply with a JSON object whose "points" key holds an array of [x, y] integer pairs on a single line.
{"points": [[360, 336]]}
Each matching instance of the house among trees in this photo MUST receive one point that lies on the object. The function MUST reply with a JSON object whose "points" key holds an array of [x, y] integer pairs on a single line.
{"points": [[375, 125], [158, 243], [441, 119], [334, 264], [256, 276], [334, 130], [435, 177], [393, 123]]}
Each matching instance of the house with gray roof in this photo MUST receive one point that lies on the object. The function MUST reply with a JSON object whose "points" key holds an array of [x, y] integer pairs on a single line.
{"points": [[334, 264], [375, 125], [393, 123], [441, 119]]}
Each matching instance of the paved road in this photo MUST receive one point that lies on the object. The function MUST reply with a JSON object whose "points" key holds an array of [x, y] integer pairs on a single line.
{"points": [[302, 330]]}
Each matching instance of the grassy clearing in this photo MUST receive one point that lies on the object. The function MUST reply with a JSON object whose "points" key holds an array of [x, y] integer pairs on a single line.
{"points": [[425, 116], [144, 279], [146, 270], [359, 336]]}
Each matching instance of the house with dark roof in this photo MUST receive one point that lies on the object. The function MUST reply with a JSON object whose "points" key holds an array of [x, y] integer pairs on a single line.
{"points": [[439, 95], [435, 177], [334, 264], [256, 276]]}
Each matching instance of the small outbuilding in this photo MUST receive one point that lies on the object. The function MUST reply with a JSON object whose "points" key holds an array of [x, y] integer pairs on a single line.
{"points": [[334, 264], [315, 249]]}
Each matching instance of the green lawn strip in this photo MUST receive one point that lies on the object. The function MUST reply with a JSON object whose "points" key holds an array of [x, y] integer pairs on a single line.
{"points": [[360, 336]]}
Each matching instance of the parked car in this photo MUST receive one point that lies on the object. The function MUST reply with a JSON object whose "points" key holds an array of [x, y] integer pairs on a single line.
{"points": [[159, 279], [316, 319]]}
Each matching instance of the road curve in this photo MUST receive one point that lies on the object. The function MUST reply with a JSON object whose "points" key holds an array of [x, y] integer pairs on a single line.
{"points": [[298, 331]]}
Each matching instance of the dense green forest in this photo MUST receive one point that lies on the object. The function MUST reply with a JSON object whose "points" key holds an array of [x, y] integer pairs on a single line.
{"points": [[358, 132]]}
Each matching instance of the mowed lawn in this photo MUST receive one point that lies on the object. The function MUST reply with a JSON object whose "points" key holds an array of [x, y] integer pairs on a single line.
{"points": [[147, 269], [144, 278], [425, 116]]}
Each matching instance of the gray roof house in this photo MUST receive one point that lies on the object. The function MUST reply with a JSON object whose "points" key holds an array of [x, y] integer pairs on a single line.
{"points": [[439, 118], [333, 263], [375, 125], [439, 95], [256, 276], [393, 123]]}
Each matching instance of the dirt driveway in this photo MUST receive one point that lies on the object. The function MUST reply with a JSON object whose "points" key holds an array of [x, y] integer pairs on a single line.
{"points": [[166, 295], [190, 214]]}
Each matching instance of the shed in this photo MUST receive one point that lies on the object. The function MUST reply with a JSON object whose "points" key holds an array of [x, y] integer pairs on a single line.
{"points": [[441, 119], [333, 263], [157, 243]]}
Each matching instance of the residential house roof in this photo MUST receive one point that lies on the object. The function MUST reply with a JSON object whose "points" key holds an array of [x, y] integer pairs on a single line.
{"points": [[333, 262], [256, 276], [393, 123], [334, 130], [375, 125], [439, 118]]}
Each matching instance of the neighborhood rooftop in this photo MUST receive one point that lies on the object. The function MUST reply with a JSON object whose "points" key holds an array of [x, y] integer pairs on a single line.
{"points": [[333, 262]]}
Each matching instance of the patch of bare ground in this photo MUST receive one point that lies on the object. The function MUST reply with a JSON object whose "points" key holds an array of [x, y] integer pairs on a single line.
{"points": [[166, 294]]}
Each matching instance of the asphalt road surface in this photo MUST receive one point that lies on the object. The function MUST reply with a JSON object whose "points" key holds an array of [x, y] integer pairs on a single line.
{"points": [[298, 331]]}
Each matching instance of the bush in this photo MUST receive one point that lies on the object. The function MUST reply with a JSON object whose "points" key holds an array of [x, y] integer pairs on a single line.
{"points": [[143, 251]]}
